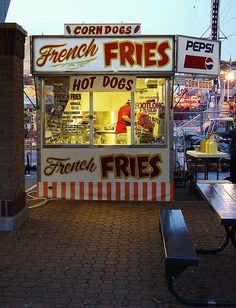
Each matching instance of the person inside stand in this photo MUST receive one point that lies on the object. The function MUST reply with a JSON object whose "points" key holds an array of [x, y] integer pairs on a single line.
{"points": [[232, 151], [144, 122], [124, 115], [144, 127]]}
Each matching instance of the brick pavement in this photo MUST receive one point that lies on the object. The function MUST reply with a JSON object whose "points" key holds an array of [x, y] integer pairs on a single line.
{"points": [[94, 254]]}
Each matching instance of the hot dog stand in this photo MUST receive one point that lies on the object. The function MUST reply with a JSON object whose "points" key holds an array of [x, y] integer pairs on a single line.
{"points": [[91, 78]]}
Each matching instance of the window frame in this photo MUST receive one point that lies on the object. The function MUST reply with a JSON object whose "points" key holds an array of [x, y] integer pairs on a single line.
{"points": [[43, 84]]}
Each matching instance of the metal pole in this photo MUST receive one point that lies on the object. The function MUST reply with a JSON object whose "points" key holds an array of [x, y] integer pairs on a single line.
{"points": [[224, 91], [228, 92]]}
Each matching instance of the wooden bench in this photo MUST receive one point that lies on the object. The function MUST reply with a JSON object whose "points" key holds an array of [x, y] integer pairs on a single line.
{"points": [[178, 246], [180, 253], [213, 182]]}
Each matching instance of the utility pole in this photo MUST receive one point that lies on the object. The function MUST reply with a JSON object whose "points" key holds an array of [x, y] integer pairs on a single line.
{"points": [[215, 7]]}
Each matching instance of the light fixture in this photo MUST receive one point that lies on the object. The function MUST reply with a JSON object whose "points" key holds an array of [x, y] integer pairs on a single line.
{"points": [[229, 76]]}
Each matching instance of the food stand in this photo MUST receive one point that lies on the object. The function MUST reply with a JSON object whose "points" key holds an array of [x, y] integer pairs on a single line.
{"points": [[91, 78]]}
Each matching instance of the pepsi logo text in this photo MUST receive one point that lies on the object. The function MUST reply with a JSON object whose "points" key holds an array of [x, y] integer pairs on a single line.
{"points": [[199, 46]]}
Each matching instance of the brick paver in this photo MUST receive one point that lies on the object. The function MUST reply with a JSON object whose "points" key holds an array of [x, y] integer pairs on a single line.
{"points": [[101, 254]]}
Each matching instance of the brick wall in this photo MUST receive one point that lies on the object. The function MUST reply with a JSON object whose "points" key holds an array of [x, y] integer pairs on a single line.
{"points": [[12, 182]]}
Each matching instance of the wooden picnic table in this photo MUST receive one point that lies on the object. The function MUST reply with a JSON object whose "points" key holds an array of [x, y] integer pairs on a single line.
{"points": [[222, 200]]}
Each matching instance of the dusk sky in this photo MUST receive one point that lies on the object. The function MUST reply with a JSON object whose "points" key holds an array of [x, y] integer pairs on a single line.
{"points": [[185, 17]]}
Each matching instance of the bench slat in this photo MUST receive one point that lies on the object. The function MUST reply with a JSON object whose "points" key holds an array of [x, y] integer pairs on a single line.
{"points": [[221, 201], [176, 239]]}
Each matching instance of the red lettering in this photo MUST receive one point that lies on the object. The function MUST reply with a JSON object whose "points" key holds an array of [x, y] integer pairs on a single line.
{"points": [[107, 29], [110, 53], [121, 83], [122, 29], [92, 30], [113, 82], [130, 53], [106, 80], [164, 57], [107, 165], [154, 163], [128, 30], [129, 85], [77, 30], [99, 30], [91, 49], [132, 162], [126, 53], [51, 53], [143, 167], [148, 47], [84, 30], [139, 52], [135, 166], [115, 30], [122, 166]]}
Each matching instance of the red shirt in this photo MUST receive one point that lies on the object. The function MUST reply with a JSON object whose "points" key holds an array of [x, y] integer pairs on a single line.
{"points": [[121, 123]]}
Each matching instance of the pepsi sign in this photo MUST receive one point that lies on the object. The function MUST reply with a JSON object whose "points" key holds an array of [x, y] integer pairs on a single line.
{"points": [[198, 56]]}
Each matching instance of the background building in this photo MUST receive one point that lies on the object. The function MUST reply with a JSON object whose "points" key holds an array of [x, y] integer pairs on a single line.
{"points": [[4, 5]]}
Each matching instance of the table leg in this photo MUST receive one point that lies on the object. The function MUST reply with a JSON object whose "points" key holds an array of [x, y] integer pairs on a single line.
{"points": [[195, 168], [232, 236], [217, 167], [206, 169]]}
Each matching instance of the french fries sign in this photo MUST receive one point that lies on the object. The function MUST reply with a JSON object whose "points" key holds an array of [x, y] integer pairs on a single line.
{"points": [[70, 55]]}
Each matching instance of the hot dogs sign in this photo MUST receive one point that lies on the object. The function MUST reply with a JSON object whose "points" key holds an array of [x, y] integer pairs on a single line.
{"points": [[107, 54]]}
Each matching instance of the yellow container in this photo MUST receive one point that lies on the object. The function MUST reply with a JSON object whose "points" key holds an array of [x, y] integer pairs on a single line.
{"points": [[207, 143], [202, 145], [213, 148]]}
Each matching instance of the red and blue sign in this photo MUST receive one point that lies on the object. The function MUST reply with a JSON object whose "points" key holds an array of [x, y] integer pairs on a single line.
{"points": [[198, 62], [198, 56]]}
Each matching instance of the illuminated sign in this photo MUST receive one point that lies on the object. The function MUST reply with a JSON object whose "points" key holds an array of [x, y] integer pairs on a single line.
{"points": [[198, 84], [121, 166], [105, 83], [70, 54], [198, 56]]}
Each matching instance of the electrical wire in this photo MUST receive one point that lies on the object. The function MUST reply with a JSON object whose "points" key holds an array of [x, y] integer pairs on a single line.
{"points": [[228, 10], [41, 203], [29, 193], [194, 11], [229, 20]]}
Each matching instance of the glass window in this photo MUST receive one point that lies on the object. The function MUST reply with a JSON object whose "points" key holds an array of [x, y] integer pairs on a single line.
{"points": [[66, 114], [150, 111], [112, 118]]}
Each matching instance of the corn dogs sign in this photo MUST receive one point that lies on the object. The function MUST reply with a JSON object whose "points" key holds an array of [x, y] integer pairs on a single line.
{"points": [[70, 55], [102, 29]]}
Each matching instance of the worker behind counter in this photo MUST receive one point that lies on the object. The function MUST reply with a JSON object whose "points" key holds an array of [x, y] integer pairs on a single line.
{"points": [[144, 127], [124, 115]]}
